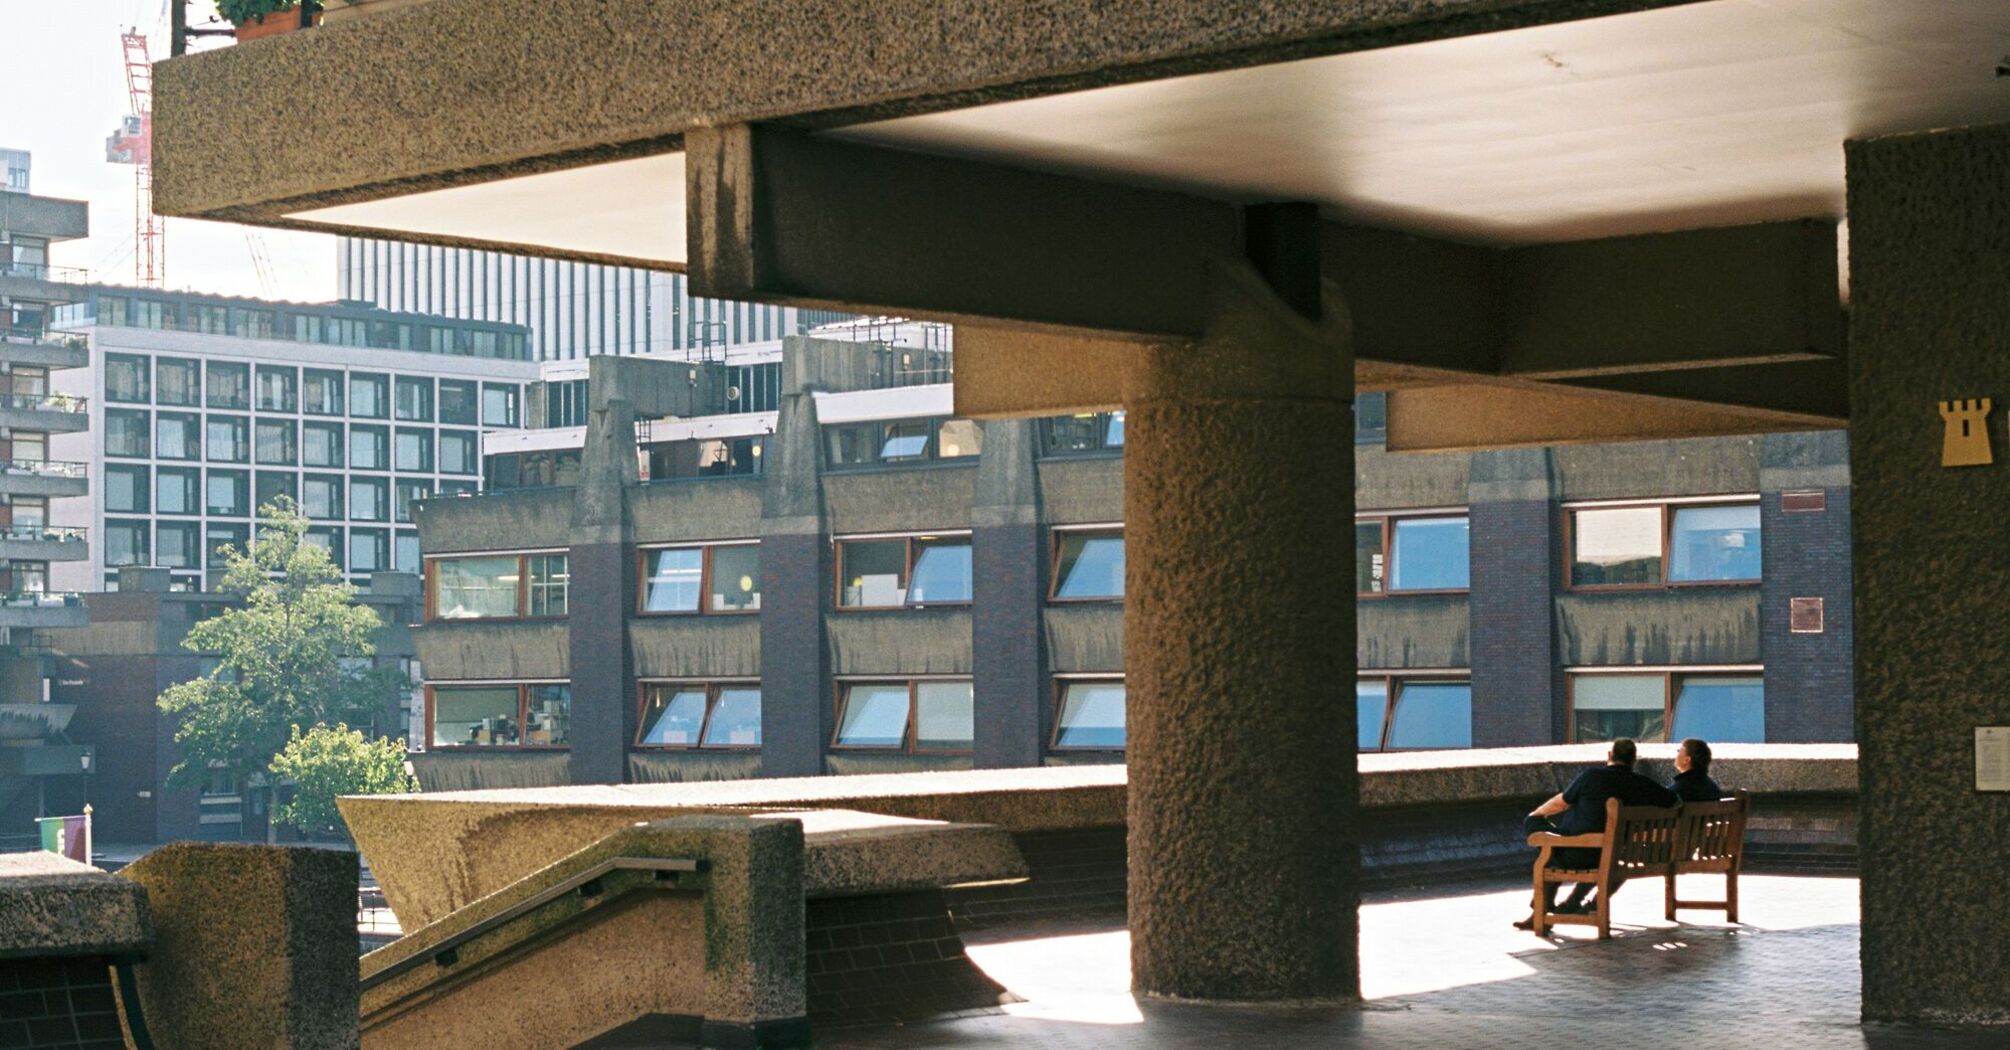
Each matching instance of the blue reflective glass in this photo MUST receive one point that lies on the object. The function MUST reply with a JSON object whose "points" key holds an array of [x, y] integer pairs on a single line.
{"points": [[1721, 710], [1113, 437], [1371, 702], [679, 715], [874, 716], [1715, 543], [1092, 566], [1092, 716], [1433, 715], [941, 574], [1431, 554]]}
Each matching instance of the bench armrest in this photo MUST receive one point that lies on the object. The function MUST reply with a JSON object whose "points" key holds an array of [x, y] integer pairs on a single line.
{"points": [[1549, 838]]}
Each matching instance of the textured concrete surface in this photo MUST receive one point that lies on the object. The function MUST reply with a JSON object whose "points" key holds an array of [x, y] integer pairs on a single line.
{"points": [[1929, 249], [1239, 610], [51, 906], [255, 946]]}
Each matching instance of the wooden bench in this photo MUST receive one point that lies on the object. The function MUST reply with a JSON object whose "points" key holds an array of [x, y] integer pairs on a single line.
{"points": [[1643, 842]]}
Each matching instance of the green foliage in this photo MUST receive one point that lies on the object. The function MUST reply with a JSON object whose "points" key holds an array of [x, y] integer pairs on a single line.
{"points": [[325, 763], [240, 12], [280, 656]]}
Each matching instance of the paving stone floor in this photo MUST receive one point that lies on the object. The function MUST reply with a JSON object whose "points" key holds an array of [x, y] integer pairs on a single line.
{"points": [[1444, 969]]}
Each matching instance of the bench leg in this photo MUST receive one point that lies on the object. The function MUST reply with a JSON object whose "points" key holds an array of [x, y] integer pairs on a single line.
{"points": [[1731, 895], [1671, 897], [1605, 886], [1540, 904]]}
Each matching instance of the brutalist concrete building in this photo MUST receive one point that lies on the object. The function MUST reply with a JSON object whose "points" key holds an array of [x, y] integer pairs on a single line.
{"points": [[859, 581]]}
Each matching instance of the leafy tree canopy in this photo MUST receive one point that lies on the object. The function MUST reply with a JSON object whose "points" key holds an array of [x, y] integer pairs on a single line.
{"points": [[326, 763]]}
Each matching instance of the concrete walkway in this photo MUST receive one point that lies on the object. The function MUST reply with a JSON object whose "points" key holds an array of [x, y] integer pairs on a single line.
{"points": [[1448, 971]]}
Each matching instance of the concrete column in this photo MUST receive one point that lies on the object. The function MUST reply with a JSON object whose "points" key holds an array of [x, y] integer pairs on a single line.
{"points": [[1929, 249], [1804, 529], [1008, 554], [601, 598], [796, 574], [1512, 623], [1239, 651]]}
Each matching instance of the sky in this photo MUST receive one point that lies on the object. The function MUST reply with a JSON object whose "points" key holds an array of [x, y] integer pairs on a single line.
{"points": [[62, 92]]}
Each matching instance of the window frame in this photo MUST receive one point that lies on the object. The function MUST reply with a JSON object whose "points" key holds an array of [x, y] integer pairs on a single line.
{"points": [[432, 590], [707, 547], [523, 687], [1059, 534], [1395, 680], [1045, 445], [1061, 684], [1388, 520], [712, 688], [837, 559], [1669, 692], [841, 685], [1668, 507]]}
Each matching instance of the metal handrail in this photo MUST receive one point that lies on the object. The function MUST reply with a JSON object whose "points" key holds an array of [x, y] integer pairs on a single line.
{"points": [[44, 533], [45, 468], [47, 402], [45, 272], [40, 599]]}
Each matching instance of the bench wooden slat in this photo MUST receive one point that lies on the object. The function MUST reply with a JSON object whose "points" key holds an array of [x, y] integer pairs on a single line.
{"points": [[1643, 842]]}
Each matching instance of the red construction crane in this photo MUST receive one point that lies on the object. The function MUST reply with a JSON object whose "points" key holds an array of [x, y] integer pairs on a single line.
{"points": [[133, 143]]}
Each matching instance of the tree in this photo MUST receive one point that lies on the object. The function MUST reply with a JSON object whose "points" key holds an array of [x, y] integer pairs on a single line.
{"points": [[325, 763], [280, 657]]}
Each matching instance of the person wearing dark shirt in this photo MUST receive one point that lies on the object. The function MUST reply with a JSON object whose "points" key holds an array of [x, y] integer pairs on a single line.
{"points": [[1692, 781], [1580, 809]]}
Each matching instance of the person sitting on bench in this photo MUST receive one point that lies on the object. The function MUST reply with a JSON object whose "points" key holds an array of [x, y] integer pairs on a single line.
{"points": [[1692, 781], [1580, 809]]}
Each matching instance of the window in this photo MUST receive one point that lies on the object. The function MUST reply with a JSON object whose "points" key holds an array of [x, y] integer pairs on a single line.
{"points": [[128, 377], [415, 399], [321, 496], [321, 392], [369, 448], [1088, 432], [564, 403], [369, 550], [321, 444], [228, 439], [271, 485], [126, 488], [126, 543], [229, 384], [460, 403], [931, 715], [700, 714], [901, 441], [405, 552], [278, 442], [126, 432], [499, 404], [1406, 713], [369, 395], [414, 450], [705, 458], [1646, 546], [1371, 418], [177, 435], [406, 492], [958, 439], [1088, 565], [177, 545], [367, 501], [278, 388], [492, 586], [457, 452], [713, 579], [178, 490], [1717, 707], [328, 538], [1431, 553], [500, 715], [456, 487], [221, 537], [904, 572], [208, 319], [229, 493], [150, 313], [257, 324], [1090, 716], [532, 469]]}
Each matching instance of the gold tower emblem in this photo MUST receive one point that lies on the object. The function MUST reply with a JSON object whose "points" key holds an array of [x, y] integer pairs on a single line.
{"points": [[1966, 443]]}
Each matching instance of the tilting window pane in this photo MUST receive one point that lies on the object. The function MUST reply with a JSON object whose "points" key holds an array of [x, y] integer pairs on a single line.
{"points": [[673, 582], [1721, 710], [1431, 554], [874, 716], [736, 718], [1092, 715], [678, 713], [549, 581], [548, 716], [903, 441], [485, 715], [959, 438], [1371, 705], [736, 579], [474, 588], [942, 716], [1092, 566], [941, 572], [1714, 543], [1609, 706], [875, 573], [1617, 546], [1432, 715], [1367, 557]]}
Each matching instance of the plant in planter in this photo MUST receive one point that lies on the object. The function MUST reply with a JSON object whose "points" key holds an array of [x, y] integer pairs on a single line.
{"points": [[257, 18], [344, 10]]}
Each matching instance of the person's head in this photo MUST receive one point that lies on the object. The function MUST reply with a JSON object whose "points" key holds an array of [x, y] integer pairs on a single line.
{"points": [[1623, 752], [1694, 756]]}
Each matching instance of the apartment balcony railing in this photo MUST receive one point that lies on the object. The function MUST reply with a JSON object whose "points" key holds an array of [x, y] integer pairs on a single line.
{"points": [[41, 600], [45, 402], [44, 468], [25, 334], [44, 272], [45, 533]]}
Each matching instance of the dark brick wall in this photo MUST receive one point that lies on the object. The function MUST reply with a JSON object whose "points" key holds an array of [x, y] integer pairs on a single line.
{"points": [[116, 714], [1810, 678], [796, 715], [1009, 681], [1075, 874], [58, 1004], [1512, 625], [888, 959], [603, 689]]}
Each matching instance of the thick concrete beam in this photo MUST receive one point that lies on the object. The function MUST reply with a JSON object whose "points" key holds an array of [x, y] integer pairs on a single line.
{"points": [[1511, 415]]}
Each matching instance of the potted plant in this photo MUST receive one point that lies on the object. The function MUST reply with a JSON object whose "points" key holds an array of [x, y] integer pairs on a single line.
{"points": [[344, 10], [257, 18]]}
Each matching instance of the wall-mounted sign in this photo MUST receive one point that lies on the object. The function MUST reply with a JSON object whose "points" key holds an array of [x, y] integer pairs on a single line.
{"points": [[1804, 615], [1992, 758], [1966, 443]]}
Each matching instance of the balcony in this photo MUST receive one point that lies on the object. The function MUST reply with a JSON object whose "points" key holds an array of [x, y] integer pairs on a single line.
{"points": [[33, 346], [43, 543], [44, 477], [43, 283], [43, 609], [49, 413]]}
